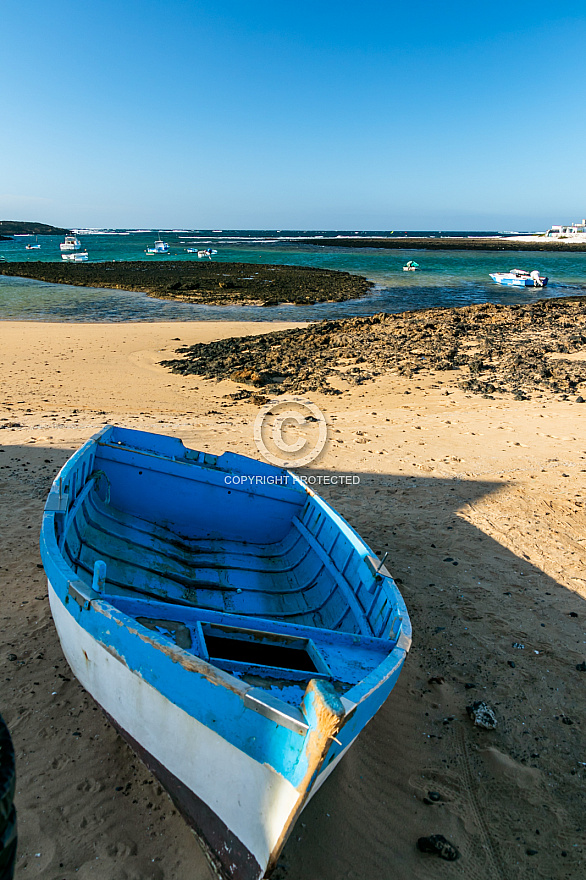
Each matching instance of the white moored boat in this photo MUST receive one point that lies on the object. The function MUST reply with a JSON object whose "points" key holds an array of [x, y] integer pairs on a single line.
{"points": [[75, 258], [71, 243], [520, 278]]}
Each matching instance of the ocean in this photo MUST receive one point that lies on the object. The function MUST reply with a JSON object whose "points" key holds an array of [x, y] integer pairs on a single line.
{"points": [[446, 278]]}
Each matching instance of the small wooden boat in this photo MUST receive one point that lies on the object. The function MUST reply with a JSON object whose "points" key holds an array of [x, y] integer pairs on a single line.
{"points": [[411, 266], [232, 625], [520, 278]]}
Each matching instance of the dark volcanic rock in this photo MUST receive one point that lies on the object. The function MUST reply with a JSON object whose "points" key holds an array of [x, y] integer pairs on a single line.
{"points": [[209, 283], [450, 244], [517, 349], [438, 845]]}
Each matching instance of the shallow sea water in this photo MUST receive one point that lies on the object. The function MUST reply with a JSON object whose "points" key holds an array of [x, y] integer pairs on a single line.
{"points": [[446, 278]]}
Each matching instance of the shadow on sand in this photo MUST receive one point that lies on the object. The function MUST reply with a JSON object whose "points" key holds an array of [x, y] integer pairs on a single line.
{"points": [[510, 799]]}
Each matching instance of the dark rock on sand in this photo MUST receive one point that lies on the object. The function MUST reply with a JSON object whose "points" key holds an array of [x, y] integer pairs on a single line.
{"points": [[438, 845], [482, 715], [519, 350], [207, 282]]}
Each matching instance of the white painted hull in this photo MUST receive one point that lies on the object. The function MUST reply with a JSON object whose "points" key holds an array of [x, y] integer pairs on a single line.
{"points": [[253, 801]]}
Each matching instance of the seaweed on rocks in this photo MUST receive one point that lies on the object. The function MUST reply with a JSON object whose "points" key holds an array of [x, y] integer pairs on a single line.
{"points": [[513, 349], [209, 283]]}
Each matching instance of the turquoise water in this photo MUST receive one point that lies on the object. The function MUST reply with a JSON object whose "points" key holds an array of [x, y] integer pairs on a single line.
{"points": [[446, 278]]}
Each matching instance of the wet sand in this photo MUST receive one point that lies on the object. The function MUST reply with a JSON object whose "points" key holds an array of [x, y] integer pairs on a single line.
{"points": [[479, 502]]}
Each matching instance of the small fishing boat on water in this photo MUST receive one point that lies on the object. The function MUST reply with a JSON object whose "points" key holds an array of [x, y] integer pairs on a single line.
{"points": [[233, 627], [71, 243], [33, 247], [411, 266], [520, 278], [207, 252], [80, 257], [160, 247]]}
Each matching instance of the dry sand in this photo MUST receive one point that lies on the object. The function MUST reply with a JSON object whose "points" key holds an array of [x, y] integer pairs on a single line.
{"points": [[480, 505]]}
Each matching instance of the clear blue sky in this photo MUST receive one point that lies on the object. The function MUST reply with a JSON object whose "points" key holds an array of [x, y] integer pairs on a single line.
{"points": [[372, 115]]}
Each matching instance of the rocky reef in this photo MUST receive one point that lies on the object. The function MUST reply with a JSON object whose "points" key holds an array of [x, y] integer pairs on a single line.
{"points": [[513, 349], [210, 283], [454, 243]]}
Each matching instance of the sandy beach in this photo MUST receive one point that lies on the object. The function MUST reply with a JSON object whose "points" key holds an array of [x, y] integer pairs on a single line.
{"points": [[479, 502]]}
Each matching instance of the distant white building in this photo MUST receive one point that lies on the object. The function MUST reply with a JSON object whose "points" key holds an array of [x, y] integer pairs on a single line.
{"points": [[573, 229]]}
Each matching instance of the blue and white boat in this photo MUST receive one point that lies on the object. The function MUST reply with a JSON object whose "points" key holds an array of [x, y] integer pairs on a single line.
{"points": [[520, 278], [160, 247], [233, 627]]}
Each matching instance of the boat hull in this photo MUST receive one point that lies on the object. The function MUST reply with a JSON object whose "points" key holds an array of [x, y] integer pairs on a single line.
{"points": [[511, 281], [237, 806], [241, 809]]}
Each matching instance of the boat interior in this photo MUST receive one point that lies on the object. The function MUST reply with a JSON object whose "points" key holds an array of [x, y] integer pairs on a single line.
{"points": [[264, 582]]}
